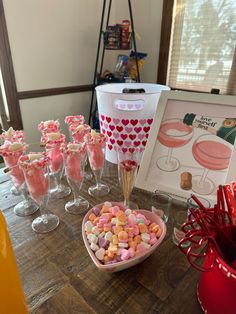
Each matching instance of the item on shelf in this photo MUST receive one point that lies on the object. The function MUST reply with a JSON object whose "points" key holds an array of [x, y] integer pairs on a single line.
{"points": [[121, 66], [125, 35], [112, 37], [132, 70]]}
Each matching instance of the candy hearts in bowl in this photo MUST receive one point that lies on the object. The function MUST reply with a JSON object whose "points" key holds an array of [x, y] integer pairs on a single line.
{"points": [[117, 238]]}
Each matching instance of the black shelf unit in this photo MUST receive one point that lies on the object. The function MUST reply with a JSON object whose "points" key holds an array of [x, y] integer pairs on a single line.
{"points": [[106, 10]]}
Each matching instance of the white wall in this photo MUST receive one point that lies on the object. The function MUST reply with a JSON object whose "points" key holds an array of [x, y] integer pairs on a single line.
{"points": [[54, 42]]}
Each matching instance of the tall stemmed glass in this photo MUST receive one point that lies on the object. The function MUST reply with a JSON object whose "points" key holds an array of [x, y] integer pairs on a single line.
{"points": [[212, 153], [96, 144], [13, 136], [11, 153], [78, 133], [128, 160], [74, 157], [173, 133], [53, 148], [35, 168]]}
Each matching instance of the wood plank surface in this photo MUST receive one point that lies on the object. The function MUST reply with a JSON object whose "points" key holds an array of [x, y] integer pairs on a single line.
{"points": [[59, 277]]}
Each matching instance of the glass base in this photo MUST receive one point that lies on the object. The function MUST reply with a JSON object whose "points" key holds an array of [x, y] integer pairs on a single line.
{"points": [[205, 187], [99, 190], [172, 165], [45, 223], [14, 191], [61, 192], [131, 205], [25, 208], [76, 207]]}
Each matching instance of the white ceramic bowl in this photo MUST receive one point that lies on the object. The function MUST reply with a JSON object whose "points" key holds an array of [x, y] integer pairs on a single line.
{"points": [[132, 261]]}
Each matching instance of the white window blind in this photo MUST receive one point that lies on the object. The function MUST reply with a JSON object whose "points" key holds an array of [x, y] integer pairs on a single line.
{"points": [[202, 49]]}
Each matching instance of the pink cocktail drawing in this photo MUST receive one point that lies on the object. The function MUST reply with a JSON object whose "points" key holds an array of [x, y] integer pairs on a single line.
{"points": [[96, 143], [212, 153], [35, 168], [173, 133], [11, 153], [74, 156]]}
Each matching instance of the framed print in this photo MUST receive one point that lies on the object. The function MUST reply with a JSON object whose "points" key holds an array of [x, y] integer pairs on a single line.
{"points": [[191, 145]]}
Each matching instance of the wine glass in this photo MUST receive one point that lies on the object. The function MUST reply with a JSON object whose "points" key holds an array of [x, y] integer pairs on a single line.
{"points": [[75, 156], [212, 153], [53, 148], [96, 145], [128, 160], [35, 168], [11, 153], [173, 133], [77, 133]]}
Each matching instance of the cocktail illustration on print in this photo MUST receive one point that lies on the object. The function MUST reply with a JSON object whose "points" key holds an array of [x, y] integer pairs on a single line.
{"points": [[212, 153], [173, 133]]}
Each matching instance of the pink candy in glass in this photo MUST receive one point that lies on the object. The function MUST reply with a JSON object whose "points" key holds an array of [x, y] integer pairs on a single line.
{"points": [[13, 136], [79, 131], [33, 166], [95, 146], [76, 120], [11, 153], [49, 126], [73, 155]]}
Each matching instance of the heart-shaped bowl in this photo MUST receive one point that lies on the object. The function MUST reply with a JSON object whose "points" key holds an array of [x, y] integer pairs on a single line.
{"points": [[118, 266]]}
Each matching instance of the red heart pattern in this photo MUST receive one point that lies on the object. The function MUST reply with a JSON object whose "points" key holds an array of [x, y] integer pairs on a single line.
{"points": [[125, 132]]}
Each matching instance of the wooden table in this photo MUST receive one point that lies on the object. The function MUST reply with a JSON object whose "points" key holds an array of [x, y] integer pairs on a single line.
{"points": [[59, 277]]}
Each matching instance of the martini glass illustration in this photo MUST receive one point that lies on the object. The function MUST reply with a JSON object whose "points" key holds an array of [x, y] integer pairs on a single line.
{"points": [[173, 133], [35, 168], [212, 153]]}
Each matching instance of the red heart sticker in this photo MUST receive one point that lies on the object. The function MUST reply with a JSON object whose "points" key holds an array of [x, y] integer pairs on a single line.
{"points": [[136, 143], [108, 119], [110, 146], [144, 143], [134, 122], [132, 136], [125, 121], [124, 136], [112, 127], [119, 128], [102, 117], [112, 140], [124, 150], [120, 143], [149, 121], [109, 133], [146, 128]]}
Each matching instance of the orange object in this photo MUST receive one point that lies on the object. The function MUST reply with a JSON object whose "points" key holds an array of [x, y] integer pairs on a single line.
{"points": [[12, 298]]}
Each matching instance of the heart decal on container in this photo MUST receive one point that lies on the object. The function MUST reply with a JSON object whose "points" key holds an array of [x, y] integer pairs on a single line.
{"points": [[132, 136], [120, 143], [116, 121], [138, 129], [136, 143], [141, 136], [108, 119], [128, 143], [110, 146], [144, 143], [125, 122], [116, 135], [134, 122], [119, 128], [128, 129], [146, 129], [124, 136], [112, 140], [109, 133], [111, 127], [149, 121], [142, 121]]}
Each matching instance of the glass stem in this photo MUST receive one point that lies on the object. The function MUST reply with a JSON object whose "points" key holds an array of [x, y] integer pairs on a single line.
{"points": [[204, 175], [168, 159], [75, 186], [25, 193], [98, 176], [43, 208]]}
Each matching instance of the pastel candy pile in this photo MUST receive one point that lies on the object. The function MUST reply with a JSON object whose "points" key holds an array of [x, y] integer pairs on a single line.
{"points": [[117, 235]]}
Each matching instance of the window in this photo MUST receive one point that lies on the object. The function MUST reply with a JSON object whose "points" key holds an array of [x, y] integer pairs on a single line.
{"points": [[201, 45]]}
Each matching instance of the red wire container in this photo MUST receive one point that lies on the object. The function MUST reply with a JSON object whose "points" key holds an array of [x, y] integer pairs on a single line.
{"points": [[217, 288]]}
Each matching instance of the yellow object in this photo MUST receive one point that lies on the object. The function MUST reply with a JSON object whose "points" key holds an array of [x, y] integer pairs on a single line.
{"points": [[12, 300]]}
